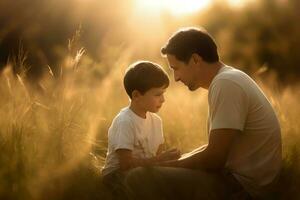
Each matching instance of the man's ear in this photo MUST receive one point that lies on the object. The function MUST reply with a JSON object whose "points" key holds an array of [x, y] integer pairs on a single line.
{"points": [[135, 94], [196, 58]]}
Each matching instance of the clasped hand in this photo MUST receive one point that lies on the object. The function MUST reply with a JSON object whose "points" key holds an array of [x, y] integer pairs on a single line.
{"points": [[170, 154]]}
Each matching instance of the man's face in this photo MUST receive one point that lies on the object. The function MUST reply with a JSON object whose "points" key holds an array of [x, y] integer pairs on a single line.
{"points": [[186, 73], [153, 99]]}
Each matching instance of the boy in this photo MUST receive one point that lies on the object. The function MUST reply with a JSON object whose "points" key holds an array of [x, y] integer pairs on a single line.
{"points": [[135, 137]]}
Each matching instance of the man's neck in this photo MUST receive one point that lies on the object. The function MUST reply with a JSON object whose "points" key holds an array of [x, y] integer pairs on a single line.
{"points": [[137, 110], [212, 71]]}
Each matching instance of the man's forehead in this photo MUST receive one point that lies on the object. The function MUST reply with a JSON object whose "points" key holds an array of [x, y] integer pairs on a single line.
{"points": [[171, 57], [171, 62], [173, 65]]}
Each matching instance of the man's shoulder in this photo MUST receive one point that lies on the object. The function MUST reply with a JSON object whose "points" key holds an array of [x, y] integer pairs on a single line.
{"points": [[230, 83], [233, 76], [230, 73]]}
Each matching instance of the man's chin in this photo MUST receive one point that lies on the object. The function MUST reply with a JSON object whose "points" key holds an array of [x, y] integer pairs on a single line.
{"points": [[192, 88]]}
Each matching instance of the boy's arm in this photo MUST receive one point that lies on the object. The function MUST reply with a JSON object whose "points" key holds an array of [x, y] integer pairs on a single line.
{"points": [[160, 149], [127, 161]]}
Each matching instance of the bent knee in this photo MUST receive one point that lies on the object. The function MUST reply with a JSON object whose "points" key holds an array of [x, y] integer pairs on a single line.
{"points": [[135, 175]]}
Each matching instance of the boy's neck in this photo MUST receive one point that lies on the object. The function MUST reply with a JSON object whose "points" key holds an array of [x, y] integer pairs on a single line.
{"points": [[137, 110]]}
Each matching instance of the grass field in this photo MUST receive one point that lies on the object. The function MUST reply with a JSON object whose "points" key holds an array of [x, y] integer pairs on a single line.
{"points": [[53, 139]]}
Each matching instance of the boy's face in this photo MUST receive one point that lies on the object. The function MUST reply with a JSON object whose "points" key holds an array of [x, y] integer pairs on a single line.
{"points": [[152, 100]]}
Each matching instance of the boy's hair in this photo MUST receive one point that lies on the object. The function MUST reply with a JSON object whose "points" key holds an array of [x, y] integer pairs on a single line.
{"points": [[183, 43], [144, 75]]}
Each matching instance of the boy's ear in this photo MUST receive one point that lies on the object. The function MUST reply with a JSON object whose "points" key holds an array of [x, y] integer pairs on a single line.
{"points": [[135, 94]]}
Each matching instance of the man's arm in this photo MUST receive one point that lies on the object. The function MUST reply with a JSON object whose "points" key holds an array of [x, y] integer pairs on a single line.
{"points": [[201, 148], [213, 156]]}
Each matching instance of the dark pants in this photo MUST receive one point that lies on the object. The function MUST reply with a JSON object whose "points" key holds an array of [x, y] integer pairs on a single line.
{"points": [[164, 183], [115, 184]]}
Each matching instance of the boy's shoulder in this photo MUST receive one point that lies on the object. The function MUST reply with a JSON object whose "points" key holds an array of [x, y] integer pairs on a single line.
{"points": [[128, 117], [123, 115]]}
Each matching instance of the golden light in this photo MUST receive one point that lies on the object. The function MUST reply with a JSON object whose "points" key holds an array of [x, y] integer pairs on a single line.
{"points": [[237, 3], [187, 6], [175, 7]]}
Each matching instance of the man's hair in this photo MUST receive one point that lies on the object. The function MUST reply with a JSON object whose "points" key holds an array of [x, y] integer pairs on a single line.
{"points": [[144, 75], [183, 43]]}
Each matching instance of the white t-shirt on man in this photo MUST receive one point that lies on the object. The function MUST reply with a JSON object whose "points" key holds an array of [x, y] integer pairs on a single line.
{"points": [[237, 102], [132, 132]]}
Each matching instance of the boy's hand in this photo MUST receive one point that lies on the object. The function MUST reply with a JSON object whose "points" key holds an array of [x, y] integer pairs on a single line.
{"points": [[171, 154]]}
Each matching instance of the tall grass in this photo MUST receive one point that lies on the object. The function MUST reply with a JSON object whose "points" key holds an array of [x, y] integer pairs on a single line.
{"points": [[53, 140]]}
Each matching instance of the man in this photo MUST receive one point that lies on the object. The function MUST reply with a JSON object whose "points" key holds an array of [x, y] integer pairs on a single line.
{"points": [[243, 154]]}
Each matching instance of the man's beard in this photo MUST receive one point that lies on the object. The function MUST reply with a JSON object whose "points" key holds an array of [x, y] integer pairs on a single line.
{"points": [[192, 87]]}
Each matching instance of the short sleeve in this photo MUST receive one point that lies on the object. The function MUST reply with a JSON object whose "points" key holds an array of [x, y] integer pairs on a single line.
{"points": [[161, 138], [159, 135], [228, 105], [124, 135]]}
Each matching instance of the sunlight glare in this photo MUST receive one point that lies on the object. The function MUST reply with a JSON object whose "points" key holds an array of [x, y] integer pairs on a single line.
{"points": [[180, 7], [239, 3], [235, 3], [175, 7]]}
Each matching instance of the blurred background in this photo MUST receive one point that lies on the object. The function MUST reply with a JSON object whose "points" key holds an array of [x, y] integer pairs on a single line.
{"points": [[61, 69], [250, 33]]}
